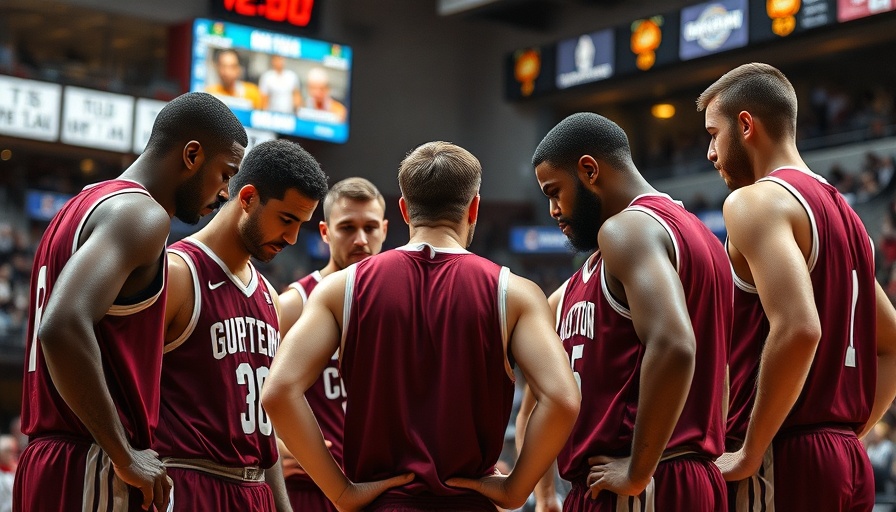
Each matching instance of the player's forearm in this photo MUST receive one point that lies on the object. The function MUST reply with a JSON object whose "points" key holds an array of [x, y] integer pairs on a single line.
{"points": [[522, 417], [298, 428], [273, 476], [74, 362], [548, 428], [786, 360], [884, 392], [666, 374]]}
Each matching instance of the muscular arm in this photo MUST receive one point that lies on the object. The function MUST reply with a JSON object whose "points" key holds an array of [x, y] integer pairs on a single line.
{"points": [[545, 490], [291, 305], [637, 254], [304, 353], [763, 222], [886, 359], [124, 234]]}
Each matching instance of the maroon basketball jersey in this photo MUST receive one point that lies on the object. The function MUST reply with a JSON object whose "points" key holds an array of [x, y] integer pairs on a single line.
{"points": [[327, 396], [130, 336], [429, 387], [749, 330], [606, 354], [213, 373], [841, 383]]}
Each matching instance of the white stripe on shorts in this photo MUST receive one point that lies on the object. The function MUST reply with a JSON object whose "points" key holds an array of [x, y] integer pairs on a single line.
{"points": [[757, 493], [643, 502], [103, 490]]}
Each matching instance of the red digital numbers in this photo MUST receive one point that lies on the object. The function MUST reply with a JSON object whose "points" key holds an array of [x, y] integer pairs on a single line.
{"points": [[294, 12]]}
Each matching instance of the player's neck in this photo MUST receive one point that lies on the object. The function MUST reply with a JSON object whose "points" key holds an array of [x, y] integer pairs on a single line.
{"points": [[438, 236], [223, 239], [144, 171], [766, 162], [329, 269]]}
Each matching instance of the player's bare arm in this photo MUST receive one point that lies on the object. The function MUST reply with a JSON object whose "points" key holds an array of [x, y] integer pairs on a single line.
{"points": [[291, 305], [765, 227], [886, 359], [639, 260], [304, 353], [537, 350], [179, 305], [119, 256], [545, 490]]}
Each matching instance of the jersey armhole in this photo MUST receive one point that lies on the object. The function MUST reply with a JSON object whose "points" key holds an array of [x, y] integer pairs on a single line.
{"points": [[503, 278], [347, 306], [197, 302], [301, 289]]}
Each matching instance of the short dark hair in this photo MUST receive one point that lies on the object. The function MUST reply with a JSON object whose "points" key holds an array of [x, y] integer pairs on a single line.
{"points": [[276, 166], [760, 89], [356, 189], [438, 180], [584, 133], [222, 51], [196, 116]]}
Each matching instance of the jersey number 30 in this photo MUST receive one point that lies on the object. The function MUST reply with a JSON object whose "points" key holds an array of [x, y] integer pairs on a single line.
{"points": [[254, 418]]}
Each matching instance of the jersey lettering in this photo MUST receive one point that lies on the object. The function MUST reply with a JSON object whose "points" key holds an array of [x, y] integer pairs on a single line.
{"points": [[40, 300], [243, 334], [579, 321]]}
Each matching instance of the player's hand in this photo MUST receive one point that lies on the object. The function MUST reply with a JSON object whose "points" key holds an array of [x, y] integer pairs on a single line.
{"points": [[612, 474], [737, 465], [147, 473], [357, 496], [494, 487]]}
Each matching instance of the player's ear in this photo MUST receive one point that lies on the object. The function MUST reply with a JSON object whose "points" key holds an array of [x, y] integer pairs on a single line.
{"points": [[193, 156], [587, 170], [385, 226], [248, 195], [473, 212], [324, 232], [403, 207]]}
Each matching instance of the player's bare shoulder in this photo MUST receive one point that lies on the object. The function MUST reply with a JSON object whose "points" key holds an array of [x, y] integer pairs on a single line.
{"points": [[631, 235], [135, 223]]}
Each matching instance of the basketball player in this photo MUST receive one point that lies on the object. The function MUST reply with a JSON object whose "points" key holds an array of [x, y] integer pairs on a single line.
{"points": [[645, 322], [426, 334], [354, 227], [96, 325], [813, 358], [222, 332]]}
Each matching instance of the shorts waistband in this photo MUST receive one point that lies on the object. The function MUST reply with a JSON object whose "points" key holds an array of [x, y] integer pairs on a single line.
{"points": [[838, 428], [246, 474], [667, 456]]}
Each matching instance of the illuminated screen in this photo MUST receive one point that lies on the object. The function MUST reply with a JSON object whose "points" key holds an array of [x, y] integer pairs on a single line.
{"points": [[272, 81]]}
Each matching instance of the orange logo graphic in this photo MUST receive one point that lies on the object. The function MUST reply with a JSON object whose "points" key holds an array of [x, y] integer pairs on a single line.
{"points": [[527, 66], [646, 37], [782, 14]]}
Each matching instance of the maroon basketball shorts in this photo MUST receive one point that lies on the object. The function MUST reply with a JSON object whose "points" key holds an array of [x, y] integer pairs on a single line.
{"points": [[304, 496], [685, 484], [195, 490], [60, 473], [809, 469]]}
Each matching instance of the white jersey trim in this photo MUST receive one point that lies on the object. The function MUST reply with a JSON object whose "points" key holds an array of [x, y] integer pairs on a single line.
{"points": [[432, 250], [347, 304], [615, 304], [665, 226], [118, 310], [247, 289], [301, 289], [813, 251], [559, 309], [740, 283], [589, 266], [197, 302], [503, 278]]}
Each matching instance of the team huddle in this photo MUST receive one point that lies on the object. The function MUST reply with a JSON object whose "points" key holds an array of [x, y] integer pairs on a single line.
{"points": [[671, 372]]}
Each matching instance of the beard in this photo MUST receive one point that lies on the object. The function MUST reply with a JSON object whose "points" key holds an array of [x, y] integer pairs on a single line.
{"points": [[470, 235], [736, 169], [253, 238], [584, 221], [187, 206]]}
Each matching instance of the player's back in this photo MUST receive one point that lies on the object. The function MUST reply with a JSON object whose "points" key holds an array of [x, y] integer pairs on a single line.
{"points": [[606, 353], [841, 383], [229, 345], [429, 385], [130, 336]]}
